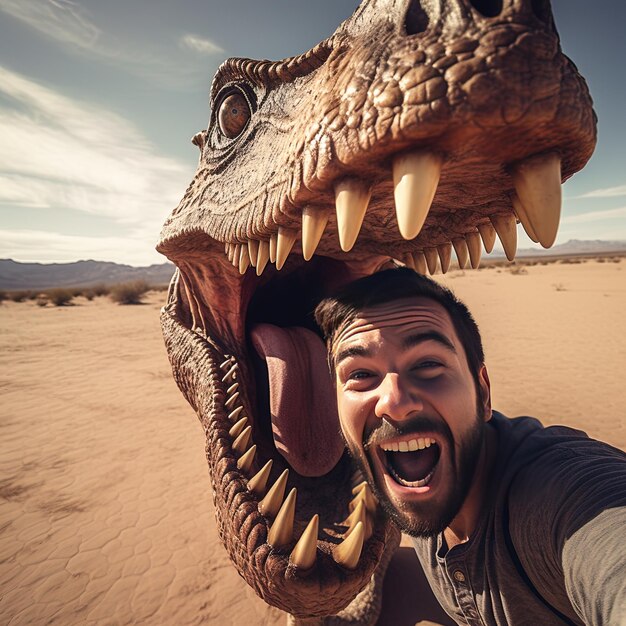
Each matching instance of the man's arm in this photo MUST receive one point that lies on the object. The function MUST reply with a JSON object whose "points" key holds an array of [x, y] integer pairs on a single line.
{"points": [[568, 526]]}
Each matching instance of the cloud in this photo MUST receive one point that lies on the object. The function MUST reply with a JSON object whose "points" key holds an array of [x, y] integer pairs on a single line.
{"points": [[64, 154], [607, 192], [199, 44], [62, 20], [595, 216]]}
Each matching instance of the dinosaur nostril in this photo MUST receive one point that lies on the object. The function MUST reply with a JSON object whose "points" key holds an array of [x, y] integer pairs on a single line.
{"points": [[488, 8], [416, 19]]}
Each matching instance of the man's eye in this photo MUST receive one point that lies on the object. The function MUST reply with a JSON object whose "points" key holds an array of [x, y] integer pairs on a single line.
{"points": [[359, 375], [427, 366]]}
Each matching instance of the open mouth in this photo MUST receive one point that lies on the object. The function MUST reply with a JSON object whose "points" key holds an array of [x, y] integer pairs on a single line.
{"points": [[349, 160]]}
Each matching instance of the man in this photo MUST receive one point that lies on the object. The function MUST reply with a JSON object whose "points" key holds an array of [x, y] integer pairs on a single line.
{"points": [[513, 523]]}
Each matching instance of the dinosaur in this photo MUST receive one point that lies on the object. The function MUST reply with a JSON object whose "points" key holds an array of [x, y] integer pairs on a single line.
{"points": [[418, 128]]}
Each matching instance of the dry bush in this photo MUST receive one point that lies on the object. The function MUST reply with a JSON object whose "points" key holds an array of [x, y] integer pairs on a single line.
{"points": [[3, 296], [518, 270], [100, 289], [60, 296], [22, 296], [129, 293]]}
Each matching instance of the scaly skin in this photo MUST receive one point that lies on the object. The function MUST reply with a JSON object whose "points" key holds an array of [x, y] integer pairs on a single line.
{"points": [[479, 89]]}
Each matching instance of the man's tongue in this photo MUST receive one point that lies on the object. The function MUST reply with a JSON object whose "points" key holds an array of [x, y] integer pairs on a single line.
{"points": [[303, 407], [414, 466]]}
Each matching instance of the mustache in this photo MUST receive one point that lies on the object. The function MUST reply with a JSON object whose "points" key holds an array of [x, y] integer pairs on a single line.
{"points": [[385, 430]]}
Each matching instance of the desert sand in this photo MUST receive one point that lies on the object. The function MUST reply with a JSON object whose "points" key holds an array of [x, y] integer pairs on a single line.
{"points": [[105, 506]]}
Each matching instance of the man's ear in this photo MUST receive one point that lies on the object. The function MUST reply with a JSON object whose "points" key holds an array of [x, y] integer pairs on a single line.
{"points": [[485, 391]]}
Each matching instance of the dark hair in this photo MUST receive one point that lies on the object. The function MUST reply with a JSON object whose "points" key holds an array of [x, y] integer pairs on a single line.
{"points": [[334, 313]]}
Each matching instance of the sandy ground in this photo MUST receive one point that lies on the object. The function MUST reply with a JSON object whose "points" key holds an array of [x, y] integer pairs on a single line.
{"points": [[105, 508]]}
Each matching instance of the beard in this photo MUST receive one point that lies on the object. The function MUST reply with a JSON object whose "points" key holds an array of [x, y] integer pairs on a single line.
{"points": [[427, 519]]}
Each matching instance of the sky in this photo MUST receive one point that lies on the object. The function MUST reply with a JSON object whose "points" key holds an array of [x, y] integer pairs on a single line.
{"points": [[99, 100]]}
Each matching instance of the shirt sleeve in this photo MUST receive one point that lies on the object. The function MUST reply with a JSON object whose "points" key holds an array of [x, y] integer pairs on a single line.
{"points": [[568, 526]]}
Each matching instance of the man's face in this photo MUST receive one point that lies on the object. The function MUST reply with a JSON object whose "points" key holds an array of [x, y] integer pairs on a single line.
{"points": [[410, 411]]}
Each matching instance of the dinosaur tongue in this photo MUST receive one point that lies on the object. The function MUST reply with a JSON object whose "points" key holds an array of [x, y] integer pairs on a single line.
{"points": [[303, 408]]}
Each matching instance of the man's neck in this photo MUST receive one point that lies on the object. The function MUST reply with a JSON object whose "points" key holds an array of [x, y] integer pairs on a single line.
{"points": [[464, 523]]}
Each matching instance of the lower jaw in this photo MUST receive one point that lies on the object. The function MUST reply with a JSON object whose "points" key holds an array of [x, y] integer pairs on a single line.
{"points": [[417, 484]]}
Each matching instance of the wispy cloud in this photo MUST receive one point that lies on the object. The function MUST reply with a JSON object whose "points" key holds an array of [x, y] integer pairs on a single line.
{"points": [[60, 153], [607, 192], [595, 216], [200, 44]]}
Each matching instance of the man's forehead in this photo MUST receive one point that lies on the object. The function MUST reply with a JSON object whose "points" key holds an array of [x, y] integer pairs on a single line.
{"points": [[404, 316]]}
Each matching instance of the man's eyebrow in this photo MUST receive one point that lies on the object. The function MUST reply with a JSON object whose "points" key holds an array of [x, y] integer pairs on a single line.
{"points": [[431, 335], [353, 351]]}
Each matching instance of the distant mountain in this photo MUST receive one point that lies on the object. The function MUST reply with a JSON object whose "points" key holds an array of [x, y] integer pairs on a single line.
{"points": [[572, 247], [15, 275]]}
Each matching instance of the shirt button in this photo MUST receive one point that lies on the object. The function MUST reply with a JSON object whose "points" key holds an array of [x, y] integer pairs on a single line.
{"points": [[459, 576]]}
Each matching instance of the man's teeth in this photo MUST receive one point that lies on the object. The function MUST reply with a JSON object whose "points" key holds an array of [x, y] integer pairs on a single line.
{"points": [[408, 446], [536, 203]]}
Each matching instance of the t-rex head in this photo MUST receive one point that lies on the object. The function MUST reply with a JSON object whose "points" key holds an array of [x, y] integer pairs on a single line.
{"points": [[418, 127]]}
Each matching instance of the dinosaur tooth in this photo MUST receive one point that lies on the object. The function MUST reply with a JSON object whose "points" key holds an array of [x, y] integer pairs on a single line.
{"points": [[358, 514], [232, 389], [258, 482], [235, 413], [420, 262], [236, 428], [409, 262], [232, 400], [286, 239], [244, 259], [537, 181], [358, 488], [281, 532], [263, 256], [506, 227], [462, 253], [488, 235], [305, 551], [226, 363], [520, 211], [243, 439], [236, 254], [253, 251], [365, 496], [445, 255], [431, 259], [348, 552], [244, 462], [352, 197], [230, 374], [475, 248], [273, 245], [270, 504], [415, 180], [313, 225]]}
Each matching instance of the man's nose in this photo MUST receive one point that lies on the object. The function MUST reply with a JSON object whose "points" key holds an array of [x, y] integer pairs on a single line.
{"points": [[398, 400]]}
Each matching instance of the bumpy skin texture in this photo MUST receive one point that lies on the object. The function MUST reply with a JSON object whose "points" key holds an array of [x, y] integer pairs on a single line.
{"points": [[484, 86]]}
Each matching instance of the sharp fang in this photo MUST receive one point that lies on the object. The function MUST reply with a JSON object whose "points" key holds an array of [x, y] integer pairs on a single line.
{"points": [[273, 245], [258, 482], [235, 414], [409, 262], [358, 515], [231, 401], [236, 254], [431, 259], [351, 199], [415, 180], [244, 463], [270, 504], [506, 227], [230, 374], [462, 253], [232, 389], [365, 496], [475, 248], [358, 488], [305, 552], [228, 250], [241, 443], [538, 184], [445, 255], [420, 262], [348, 552], [286, 239], [236, 429], [226, 363], [281, 532], [520, 211], [244, 259], [488, 235], [313, 225], [263, 256], [253, 251]]}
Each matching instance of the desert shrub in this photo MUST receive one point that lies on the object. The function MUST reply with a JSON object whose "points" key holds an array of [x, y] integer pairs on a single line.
{"points": [[42, 299], [129, 293], [3, 296], [20, 296], [89, 294], [60, 296], [518, 270], [100, 289]]}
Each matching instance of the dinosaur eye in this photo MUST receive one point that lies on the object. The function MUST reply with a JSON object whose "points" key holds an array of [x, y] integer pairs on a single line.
{"points": [[233, 115]]}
